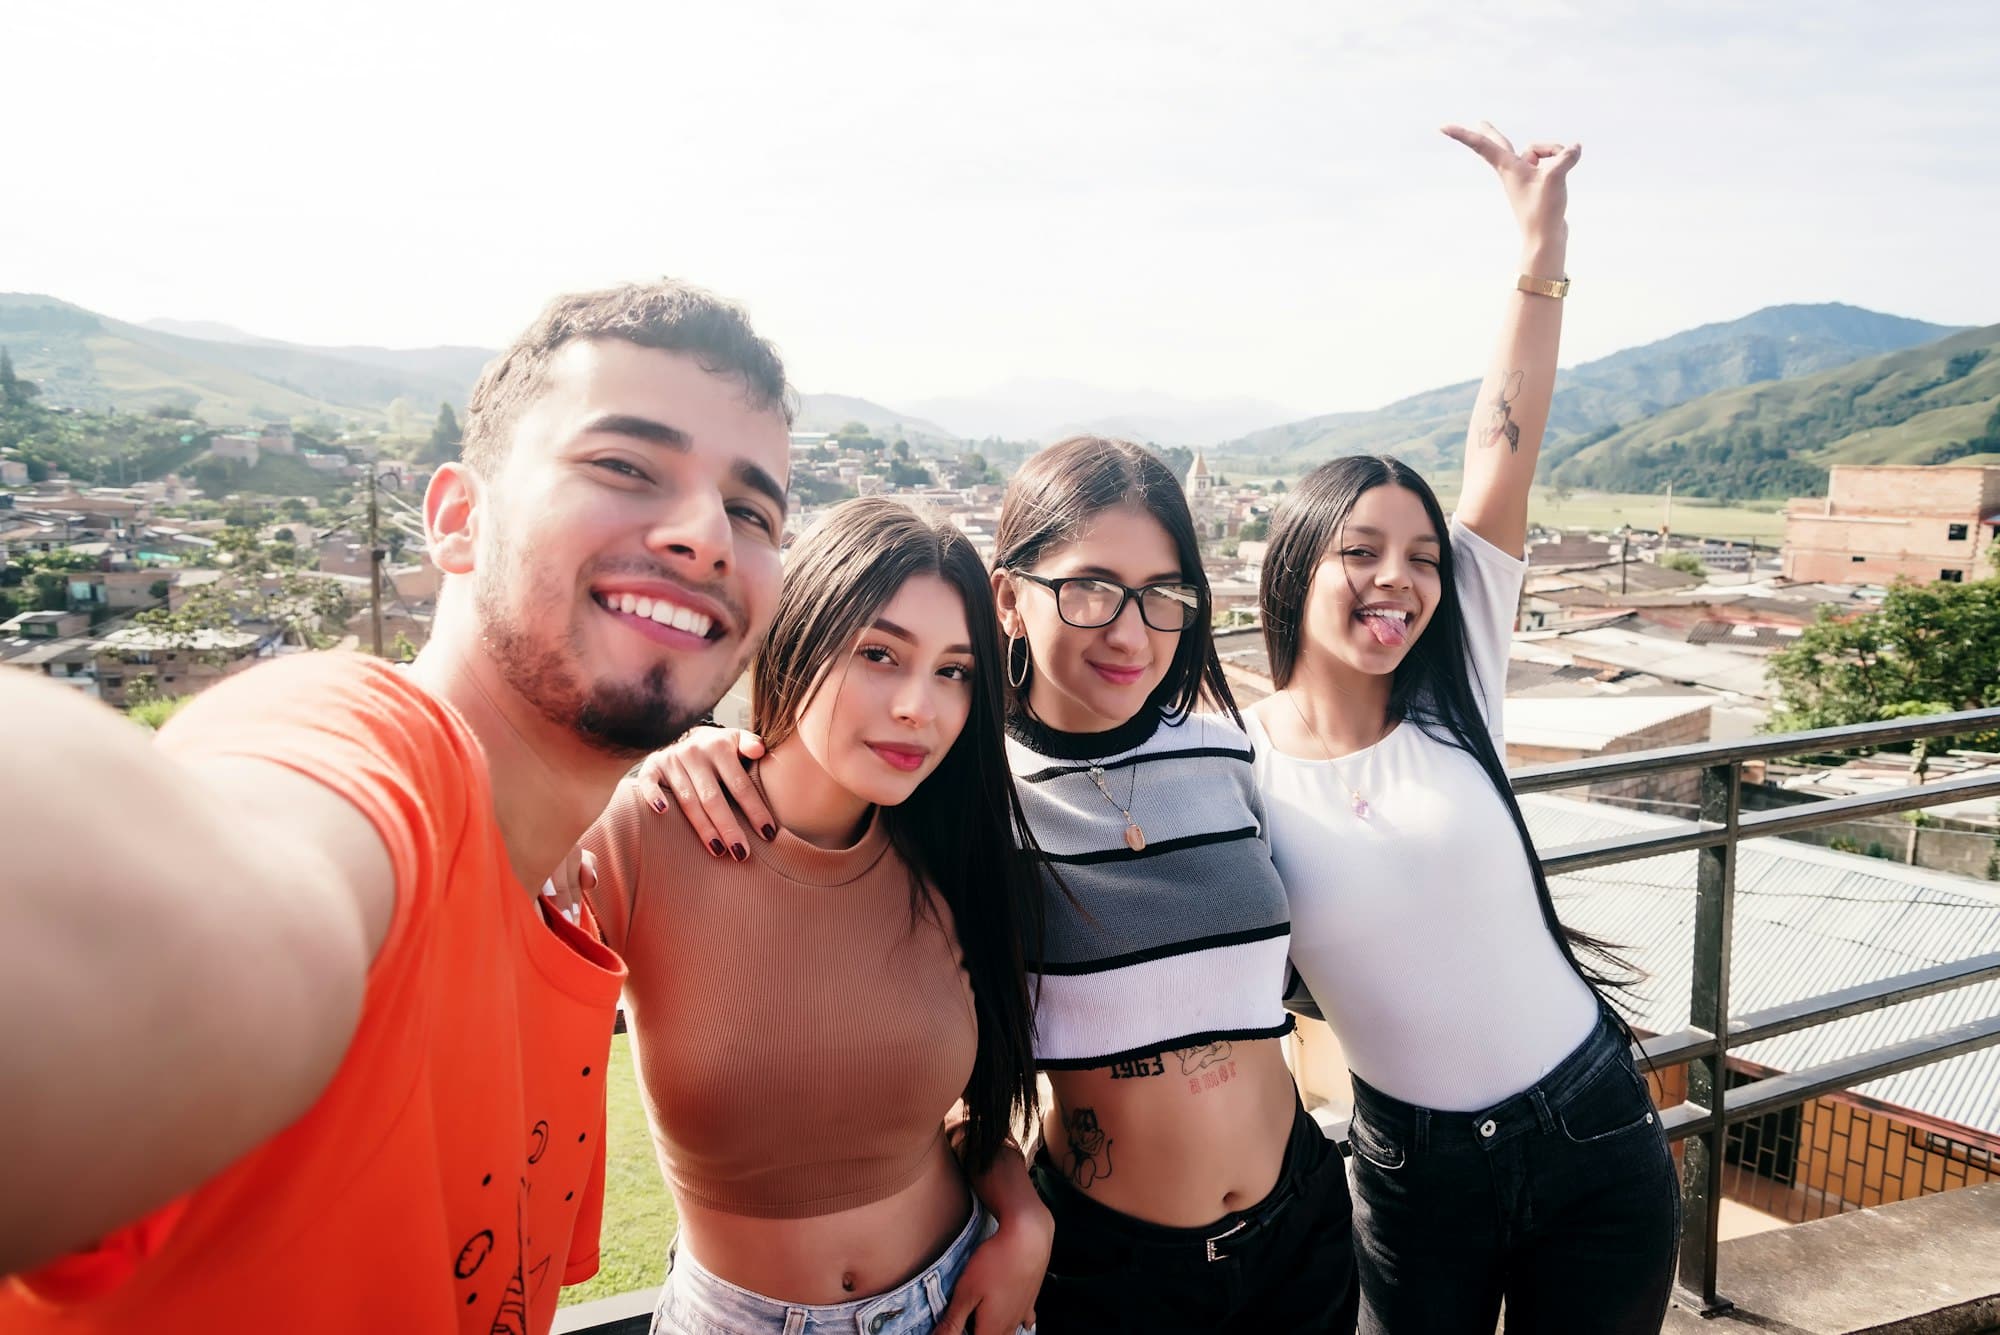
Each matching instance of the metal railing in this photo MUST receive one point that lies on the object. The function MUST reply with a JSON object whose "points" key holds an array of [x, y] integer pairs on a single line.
{"points": [[1715, 1120], [1713, 1107]]}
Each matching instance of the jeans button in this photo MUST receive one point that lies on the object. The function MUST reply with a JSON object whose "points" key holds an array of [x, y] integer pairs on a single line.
{"points": [[1488, 1127]]}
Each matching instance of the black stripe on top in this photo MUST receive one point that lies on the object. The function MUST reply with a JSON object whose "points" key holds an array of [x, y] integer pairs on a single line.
{"points": [[1167, 1045], [1166, 951], [1150, 850], [1191, 753]]}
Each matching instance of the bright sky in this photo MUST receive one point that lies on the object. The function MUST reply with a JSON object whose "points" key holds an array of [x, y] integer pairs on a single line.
{"points": [[928, 198]]}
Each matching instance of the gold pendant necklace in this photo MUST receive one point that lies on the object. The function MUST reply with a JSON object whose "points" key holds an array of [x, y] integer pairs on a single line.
{"points": [[1135, 838], [1356, 801]]}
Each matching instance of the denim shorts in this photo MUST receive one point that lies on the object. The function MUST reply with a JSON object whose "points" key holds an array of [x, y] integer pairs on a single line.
{"points": [[695, 1301]]}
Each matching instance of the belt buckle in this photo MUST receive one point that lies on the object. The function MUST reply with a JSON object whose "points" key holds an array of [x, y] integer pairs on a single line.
{"points": [[1209, 1243]]}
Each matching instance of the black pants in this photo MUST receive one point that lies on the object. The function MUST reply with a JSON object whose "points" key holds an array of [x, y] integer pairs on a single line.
{"points": [[1563, 1201], [1284, 1265]]}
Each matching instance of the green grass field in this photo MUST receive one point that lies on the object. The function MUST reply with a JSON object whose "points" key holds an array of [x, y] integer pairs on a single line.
{"points": [[1606, 510], [638, 1211]]}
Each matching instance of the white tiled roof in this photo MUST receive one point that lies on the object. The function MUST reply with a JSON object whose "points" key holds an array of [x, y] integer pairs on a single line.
{"points": [[1809, 921]]}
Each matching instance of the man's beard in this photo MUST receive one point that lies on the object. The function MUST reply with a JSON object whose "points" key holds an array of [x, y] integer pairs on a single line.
{"points": [[621, 718]]}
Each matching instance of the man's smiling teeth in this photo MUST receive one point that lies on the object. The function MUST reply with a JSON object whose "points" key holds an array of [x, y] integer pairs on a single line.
{"points": [[662, 612]]}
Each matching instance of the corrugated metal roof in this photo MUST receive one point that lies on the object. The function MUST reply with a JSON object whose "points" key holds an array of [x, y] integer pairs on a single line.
{"points": [[1809, 921]]}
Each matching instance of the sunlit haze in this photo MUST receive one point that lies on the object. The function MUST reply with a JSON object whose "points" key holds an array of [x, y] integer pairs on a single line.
{"points": [[923, 199]]}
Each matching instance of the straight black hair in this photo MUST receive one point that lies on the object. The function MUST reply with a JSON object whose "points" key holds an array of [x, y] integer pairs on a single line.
{"points": [[962, 830], [1053, 498], [1433, 686]]}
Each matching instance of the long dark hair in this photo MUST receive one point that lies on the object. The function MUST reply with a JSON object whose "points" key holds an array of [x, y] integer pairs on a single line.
{"points": [[1433, 686], [962, 830], [1054, 496]]}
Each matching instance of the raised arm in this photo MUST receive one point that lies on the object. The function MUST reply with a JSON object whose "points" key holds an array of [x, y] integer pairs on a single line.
{"points": [[186, 952], [1512, 410]]}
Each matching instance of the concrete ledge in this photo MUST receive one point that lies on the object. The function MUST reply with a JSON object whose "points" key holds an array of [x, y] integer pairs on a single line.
{"points": [[1930, 1266], [629, 1313]]}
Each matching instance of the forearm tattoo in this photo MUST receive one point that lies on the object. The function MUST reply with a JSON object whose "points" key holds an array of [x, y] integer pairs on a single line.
{"points": [[1500, 423], [1088, 1159]]}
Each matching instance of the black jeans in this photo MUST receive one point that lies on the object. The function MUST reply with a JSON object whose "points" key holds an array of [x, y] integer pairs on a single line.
{"points": [[1284, 1265], [1562, 1200]]}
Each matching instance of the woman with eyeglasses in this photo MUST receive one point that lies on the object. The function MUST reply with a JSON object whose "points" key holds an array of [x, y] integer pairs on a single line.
{"points": [[1189, 1188]]}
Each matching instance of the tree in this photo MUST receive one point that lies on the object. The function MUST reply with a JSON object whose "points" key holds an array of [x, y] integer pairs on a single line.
{"points": [[1256, 530], [445, 437], [14, 391], [51, 590], [1929, 649], [1685, 562]]}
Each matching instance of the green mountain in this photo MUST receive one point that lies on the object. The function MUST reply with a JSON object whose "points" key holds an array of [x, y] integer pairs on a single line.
{"points": [[1593, 398], [1932, 404], [85, 360], [830, 412]]}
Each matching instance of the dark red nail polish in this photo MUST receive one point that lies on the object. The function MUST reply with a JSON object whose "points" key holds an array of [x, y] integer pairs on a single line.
{"points": [[770, 832], [715, 847], [659, 807], [739, 852]]}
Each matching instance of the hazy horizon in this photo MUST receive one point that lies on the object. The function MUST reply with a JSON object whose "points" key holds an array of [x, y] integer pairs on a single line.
{"points": [[918, 204]]}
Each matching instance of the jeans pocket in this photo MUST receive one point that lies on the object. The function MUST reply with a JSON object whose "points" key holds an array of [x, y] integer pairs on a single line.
{"points": [[1372, 1145], [1611, 1103]]}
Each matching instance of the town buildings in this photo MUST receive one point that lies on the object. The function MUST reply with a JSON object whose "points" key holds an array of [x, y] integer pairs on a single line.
{"points": [[1878, 524]]}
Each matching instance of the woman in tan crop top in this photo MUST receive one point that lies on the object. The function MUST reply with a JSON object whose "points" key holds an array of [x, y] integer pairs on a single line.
{"points": [[806, 1023]]}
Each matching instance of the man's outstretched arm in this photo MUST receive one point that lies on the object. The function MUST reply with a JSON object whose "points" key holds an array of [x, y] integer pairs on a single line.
{"points": [[185, 953]]}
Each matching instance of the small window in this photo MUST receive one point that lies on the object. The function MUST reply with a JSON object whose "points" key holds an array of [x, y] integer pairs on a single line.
{"points": [[1956, 534], [111, 683], [1857, 560], [1952, 576]]}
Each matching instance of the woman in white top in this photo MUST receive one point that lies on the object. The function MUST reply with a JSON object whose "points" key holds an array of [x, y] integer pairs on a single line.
{"points": [[1504, 1143]]}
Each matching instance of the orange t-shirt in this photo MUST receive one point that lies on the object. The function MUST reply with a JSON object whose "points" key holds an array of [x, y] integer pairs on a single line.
{"points": [[450, 1178]]}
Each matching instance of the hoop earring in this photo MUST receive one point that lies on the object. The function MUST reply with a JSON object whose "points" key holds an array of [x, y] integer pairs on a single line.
{"points": [[1012, 679]]}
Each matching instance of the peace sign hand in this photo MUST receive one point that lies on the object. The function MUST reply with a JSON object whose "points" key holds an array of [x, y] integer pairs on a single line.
{"points": [[1536, 181]]}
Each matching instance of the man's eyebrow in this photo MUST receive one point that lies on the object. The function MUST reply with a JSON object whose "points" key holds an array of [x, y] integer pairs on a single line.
{"points": [[750, 475], [638, 428], [888, 627], [673, 438]]}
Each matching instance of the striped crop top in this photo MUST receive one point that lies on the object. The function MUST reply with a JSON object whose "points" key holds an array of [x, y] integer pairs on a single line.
{"points": [[1178, 943]]}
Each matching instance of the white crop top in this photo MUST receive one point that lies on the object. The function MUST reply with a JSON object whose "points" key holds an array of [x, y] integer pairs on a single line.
{"points": [[1418, 929]]}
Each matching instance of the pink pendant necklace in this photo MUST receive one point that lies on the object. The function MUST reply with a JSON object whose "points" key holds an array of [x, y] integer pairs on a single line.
{"points": [[1356, 801], [1135, 838]]}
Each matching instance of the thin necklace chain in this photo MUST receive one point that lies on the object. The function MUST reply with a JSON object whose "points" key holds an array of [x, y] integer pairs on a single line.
{"points": [[1355, 799], [1135, 838]]}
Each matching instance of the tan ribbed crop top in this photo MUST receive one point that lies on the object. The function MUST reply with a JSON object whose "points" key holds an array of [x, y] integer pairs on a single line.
{"points": [[799, 1040]]}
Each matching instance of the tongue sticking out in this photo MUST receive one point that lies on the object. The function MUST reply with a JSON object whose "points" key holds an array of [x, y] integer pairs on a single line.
{"points": [[1388, 631]]}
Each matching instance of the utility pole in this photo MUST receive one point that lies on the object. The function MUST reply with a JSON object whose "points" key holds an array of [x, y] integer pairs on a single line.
{"points": [[375, 554], [1624, 557]]}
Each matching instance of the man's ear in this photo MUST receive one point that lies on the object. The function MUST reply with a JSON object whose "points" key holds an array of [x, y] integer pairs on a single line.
{"points": [[453, 505], [1003, 602]]}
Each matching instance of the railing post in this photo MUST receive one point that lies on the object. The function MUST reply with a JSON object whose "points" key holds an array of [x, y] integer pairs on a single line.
{"points": [[1708, 1008]]}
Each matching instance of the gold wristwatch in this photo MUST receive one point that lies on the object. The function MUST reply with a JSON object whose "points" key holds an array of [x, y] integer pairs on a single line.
{"points": [[1544, 287]]}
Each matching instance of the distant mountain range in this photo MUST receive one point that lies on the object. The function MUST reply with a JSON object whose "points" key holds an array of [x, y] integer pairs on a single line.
{"points": [[1748, 407], [1046, 410], [1776, 343], [86, 360], [1938, 403]]}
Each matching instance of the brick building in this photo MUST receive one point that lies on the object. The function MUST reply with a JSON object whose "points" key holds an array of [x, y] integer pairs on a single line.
{"points": [[1876, 524]]}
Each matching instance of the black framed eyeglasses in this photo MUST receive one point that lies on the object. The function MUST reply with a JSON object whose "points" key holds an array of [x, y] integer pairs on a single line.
{"points": [[1087, 602]]}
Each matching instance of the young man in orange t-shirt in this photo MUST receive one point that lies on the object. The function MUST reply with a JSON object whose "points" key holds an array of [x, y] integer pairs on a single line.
{"points": [[290, 1043]]}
